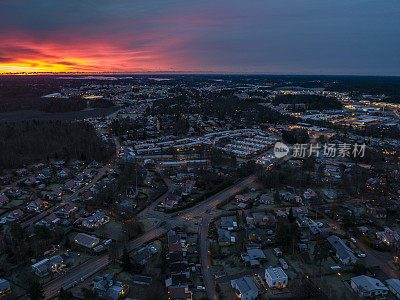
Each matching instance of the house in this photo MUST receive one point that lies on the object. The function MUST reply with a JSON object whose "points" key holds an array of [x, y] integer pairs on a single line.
{"points": [[260, 219], [228, 223], [48, 220], [86, 240], [309, 194], [21, 171], [254, 233], [332, 171], [173, 237], [254, 257], [57, 193], [179, 293], [3, 200], [30, 181], [276, 277], [343, 252], [66, 211], [376, 212], [178, 279], [13, 216], [297, 211], [14, 192], [376, 184], [280, 213], [330, 194], [69, 185], [35, 205], [143, 255], [46, 174], [47, 265], [366, 286], [241, 198], [224, 237], [5, 287], [178, 266], [175, 247], [388, 236], [93, 164], [302, 221], [96, 220], [245, 288], [265, 199], [170, 201], [394, 286], [288, 196], [63, 173], [108, 287]]}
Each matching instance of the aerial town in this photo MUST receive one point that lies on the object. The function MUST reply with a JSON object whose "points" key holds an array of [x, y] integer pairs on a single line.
{"points": [[208, 187]]}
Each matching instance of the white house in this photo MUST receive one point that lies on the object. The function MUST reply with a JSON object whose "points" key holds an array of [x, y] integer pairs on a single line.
{"points": [[366, 286], [276, 277], [245, 288], [394, 286]]}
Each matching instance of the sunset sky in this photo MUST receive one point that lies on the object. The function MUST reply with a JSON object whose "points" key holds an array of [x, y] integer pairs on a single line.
{"points": [[219, 36]]}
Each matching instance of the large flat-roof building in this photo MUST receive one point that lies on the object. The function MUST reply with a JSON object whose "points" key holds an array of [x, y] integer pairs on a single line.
{"points": [[276, 277]]}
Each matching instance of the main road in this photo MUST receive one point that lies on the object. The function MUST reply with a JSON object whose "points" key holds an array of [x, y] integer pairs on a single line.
{"points": [[99, 262]]}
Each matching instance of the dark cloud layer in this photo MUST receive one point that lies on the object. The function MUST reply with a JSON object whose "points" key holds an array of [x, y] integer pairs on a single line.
{"points": [[268, 36]]}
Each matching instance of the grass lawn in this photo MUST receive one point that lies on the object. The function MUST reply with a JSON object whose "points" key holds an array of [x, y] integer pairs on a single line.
{"points": [[110, 230]]}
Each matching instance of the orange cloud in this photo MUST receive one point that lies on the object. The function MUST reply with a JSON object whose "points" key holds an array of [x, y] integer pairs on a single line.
{"points": [[17, 56]]}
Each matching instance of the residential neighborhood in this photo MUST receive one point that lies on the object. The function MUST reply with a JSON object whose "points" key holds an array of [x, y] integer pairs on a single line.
{"points": [[268, 197]]}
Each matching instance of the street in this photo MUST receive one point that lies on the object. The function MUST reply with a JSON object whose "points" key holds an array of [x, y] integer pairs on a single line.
{"points": [[94, 265]]}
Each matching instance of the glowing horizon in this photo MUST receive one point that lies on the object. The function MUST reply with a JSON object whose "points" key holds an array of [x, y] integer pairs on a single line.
{"points": [[228, 36]]}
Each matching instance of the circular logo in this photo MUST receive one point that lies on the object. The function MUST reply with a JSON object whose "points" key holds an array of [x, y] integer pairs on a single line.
{"points": [[280, 150]]}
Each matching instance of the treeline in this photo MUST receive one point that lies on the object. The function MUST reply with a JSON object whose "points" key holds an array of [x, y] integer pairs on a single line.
{"points": [[311, 101], [26, 94], [28, 101], [27, 142], [374, 85], [222, 105]]}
